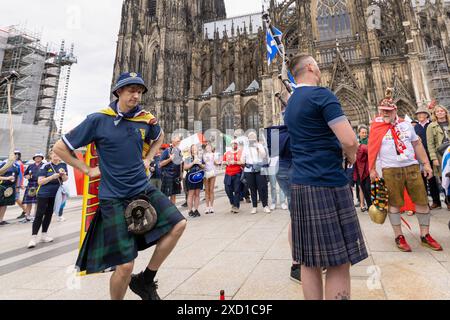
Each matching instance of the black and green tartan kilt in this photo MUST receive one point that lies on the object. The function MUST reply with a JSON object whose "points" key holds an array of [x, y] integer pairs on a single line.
{"points": [[9, 201], [109, 244]]}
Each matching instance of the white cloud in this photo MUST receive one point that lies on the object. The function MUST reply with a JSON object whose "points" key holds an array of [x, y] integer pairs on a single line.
{"points": [[93, 27]]}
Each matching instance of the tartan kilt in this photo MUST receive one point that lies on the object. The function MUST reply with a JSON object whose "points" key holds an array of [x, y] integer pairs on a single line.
{"points": [[26, 198], [109, 244], [10, 201], [325, 227]]}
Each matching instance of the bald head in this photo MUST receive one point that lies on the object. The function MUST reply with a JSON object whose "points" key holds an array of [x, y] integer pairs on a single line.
{"points": [[304, 68]]}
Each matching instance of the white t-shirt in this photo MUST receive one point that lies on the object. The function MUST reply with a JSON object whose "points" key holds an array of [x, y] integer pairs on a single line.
{"points": [[388, 157], [251, 156]]}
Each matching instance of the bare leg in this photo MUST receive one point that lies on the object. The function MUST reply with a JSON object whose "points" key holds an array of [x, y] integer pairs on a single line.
{"points": [[207, 194], [196, 199], [312, 283], [190, 200], [20, 204], [361, 198], [2, 213], [290, 241], [212, 185], [166, 245], [28, 209], [338, 285], [173, 199], [120, 280]]}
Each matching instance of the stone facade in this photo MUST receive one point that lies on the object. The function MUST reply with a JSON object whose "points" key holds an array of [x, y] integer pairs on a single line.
{"points": [[209, 72]]}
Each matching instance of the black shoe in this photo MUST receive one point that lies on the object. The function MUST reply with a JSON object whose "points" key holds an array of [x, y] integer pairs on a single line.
{"points": [[4, 223], [184, 205], [191, 214], [23, 215], [142, 289], [197, 214], [296, 273]]}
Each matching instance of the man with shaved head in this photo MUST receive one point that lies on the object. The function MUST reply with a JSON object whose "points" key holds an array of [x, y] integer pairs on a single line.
{"points": [[325, 227]]}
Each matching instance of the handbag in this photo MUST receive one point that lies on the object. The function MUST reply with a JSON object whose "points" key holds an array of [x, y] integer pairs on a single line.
{"points": [[445, 144], [443, 147]]}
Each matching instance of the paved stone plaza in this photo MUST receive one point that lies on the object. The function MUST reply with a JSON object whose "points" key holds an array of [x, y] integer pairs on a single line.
{"points": [[246, 255]]}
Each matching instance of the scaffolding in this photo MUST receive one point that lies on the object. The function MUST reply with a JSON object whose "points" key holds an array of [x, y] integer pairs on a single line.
{"points": [[438, 75], [39, 96], [24, 54]]}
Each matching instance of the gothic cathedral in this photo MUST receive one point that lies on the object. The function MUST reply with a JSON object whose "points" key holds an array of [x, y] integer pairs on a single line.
{"points": [[207, 71]]}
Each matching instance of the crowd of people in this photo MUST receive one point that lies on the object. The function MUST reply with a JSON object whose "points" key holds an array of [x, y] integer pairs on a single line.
{"points": [[36, 184], [247, 166], [316, 169]]}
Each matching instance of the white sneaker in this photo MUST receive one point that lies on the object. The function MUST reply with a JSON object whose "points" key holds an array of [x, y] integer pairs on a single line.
{"points": [[46, 239], [284, 206], [254, 211], [267, 210], [273, 207], [61, 219], [32, 243]]}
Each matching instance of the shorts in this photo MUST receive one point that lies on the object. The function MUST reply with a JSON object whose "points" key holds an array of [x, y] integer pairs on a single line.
{"points": [[397, 179]]}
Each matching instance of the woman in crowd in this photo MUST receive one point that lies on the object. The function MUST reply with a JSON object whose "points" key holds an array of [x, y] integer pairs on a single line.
{"points": [[361, 175], [255, 158], [31, 174], [210, 161], [8, 188], [437, 134], [51, 177], [363, 139], [194, 166]]}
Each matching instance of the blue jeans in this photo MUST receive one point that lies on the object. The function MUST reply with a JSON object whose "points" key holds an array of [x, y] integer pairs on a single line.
{"points": [[283, 178], [233, 189], [273, 190]]}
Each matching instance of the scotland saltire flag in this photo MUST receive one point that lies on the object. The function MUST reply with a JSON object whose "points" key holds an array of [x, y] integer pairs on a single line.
{"points": [[272, 48], [291, 78], [277, 33]]}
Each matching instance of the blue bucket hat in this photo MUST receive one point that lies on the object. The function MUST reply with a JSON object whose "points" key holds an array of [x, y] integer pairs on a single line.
{"points": [[128, 79]]}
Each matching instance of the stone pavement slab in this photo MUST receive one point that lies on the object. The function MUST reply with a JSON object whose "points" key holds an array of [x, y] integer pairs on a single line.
{"points": [[246, 255]]}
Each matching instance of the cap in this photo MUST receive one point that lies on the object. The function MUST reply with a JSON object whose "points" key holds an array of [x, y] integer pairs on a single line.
{"points": [[39, 154], [128, 79]]}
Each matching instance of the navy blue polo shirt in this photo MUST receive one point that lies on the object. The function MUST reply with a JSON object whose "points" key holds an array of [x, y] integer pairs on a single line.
{"points": [[50, 189], [155, 164], [120, 151], [33, 171], [316, 152], [13, 171], [173, 169]]}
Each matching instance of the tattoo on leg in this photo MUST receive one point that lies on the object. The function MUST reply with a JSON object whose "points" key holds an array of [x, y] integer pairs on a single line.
{"points": [[343, 296]]}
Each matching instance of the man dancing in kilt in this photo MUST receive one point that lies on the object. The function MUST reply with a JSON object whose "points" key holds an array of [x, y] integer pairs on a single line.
{"points": [[395, 150], [120, 134], [325, 227]]}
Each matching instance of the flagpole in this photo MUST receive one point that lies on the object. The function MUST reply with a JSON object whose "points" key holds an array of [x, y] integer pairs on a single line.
{"points": [[282, 50]]}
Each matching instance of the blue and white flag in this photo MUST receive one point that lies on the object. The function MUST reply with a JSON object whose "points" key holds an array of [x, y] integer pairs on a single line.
{"points": [[277, 33], [291, 78], [272, 47], [445, 171]]}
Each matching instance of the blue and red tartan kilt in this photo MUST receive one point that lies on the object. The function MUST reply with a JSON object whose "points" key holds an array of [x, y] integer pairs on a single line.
{"points": [[27, 199]]}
